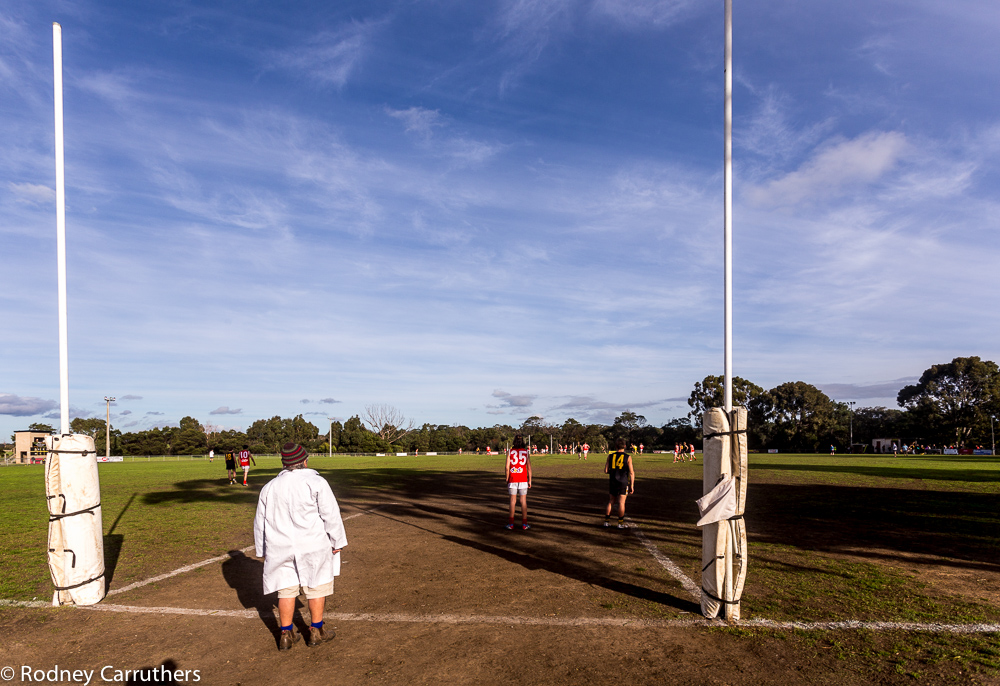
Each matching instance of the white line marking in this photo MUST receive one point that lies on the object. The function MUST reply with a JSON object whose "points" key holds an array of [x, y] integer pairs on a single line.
{"points": [[405, 618], [25, 603], [668, 564], [220, 558], [181, 570]]}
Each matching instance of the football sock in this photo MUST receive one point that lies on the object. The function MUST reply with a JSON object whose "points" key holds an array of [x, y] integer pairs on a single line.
{"points": [[287, 628], [317, 625], [621, 520]]}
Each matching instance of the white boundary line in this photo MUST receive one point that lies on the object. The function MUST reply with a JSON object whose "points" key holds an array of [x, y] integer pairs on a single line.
{"points": [[510, 620], [689, 585], [220, 558]]}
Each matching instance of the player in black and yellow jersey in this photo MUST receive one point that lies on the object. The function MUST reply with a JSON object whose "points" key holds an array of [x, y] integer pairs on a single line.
{"points": [[231, 466], [621, 481]]}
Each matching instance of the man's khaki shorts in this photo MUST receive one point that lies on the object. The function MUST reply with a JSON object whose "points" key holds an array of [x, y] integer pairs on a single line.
{"points": [[321, 591]]}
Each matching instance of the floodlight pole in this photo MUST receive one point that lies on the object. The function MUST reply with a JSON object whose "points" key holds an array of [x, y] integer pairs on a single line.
{"points": [[993, 436], [107, 427], [851, 403], [61, 229], [329, 442]]}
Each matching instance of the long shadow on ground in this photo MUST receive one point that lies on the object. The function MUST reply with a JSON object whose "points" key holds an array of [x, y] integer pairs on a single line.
{"points": [[879, 522], [245, 575]]}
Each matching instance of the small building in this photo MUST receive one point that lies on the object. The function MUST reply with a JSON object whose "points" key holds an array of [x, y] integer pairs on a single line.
{"points": [[31, 447], [884, 445]]}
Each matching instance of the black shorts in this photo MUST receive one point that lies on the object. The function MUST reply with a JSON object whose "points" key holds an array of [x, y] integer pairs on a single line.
{"points": [[616, 487], [231, 464]]}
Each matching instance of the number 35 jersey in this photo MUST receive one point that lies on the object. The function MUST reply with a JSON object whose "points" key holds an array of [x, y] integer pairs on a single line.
{"points": [[517, 466]]}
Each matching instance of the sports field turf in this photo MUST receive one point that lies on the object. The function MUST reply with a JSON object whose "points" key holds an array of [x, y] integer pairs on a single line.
{"points": [[911, 539]]}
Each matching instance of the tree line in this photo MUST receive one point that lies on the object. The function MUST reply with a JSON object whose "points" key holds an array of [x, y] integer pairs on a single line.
{"points": [[953, 404]]}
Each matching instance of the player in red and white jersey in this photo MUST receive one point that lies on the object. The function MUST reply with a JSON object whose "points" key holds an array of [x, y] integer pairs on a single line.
{"points": [[245, 459], [586, 449], [518, 471]]}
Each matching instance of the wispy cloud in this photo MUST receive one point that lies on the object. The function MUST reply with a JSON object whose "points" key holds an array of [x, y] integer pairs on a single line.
{"points": [[131, 397], [417, 119], [874, 49], [643, 14], [423, 122], [17, 406], [834, 168], [33, 193], [591, 410], [329, 57], [768, 131], [221, 410], [525, 28], [511, 402]]}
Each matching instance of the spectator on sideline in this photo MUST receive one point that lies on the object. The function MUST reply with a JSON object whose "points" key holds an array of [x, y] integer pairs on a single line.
{"points": [[299, 532]]}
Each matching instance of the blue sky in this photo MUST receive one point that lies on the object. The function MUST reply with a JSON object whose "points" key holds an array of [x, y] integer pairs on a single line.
{"points": [[481, 211]]}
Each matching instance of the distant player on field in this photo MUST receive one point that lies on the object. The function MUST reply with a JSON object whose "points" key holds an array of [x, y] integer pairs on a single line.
{"points": [[518, 472], [586, 449], [231, 466], [245, 459], [621, 481]]}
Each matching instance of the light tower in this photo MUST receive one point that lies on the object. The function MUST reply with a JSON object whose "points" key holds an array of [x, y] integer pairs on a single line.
{"points": [[107, 427]]}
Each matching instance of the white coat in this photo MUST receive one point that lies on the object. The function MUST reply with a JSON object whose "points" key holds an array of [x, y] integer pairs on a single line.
{"points": [[298, 524]]}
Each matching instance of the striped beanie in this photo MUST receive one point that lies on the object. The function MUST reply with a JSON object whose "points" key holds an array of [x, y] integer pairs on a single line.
{"points": [[292, 454]]}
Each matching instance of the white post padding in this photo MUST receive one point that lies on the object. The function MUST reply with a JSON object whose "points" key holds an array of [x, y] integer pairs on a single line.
{"points": [[723, 552], [76, 532]]}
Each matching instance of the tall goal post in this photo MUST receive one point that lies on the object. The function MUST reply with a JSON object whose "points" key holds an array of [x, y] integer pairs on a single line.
{"points": [[72, 483], [724, 430]]}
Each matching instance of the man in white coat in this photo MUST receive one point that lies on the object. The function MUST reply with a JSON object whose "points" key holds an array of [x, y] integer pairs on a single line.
{"points": [[299, 532]]}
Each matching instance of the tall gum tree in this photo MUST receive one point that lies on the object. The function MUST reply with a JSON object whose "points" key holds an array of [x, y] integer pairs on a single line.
{"points": [[953, 400]]}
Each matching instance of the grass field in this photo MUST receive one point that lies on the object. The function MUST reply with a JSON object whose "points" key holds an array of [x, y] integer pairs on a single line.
{"points": [[912, 539]]}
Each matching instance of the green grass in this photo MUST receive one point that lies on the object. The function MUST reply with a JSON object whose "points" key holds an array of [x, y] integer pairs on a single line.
{"points": [[964, 472], [808, 515], [793, 585]]}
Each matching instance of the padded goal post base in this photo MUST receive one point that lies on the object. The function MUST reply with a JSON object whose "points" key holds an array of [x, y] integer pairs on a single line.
{"points": [[76, 532], [724, 542]]}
